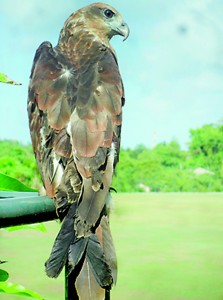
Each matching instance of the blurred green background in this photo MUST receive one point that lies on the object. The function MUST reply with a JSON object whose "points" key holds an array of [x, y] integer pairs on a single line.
{"points": [[163, 168], [169, 247]]}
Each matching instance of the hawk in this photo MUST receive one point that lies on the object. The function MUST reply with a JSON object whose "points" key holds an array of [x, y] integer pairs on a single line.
{"points": [[75, 104]]}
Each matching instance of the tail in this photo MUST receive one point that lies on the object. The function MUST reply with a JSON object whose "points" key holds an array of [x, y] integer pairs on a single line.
{"points": [[90, 260]]}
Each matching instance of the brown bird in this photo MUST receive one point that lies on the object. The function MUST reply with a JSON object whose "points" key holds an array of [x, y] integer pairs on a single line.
{"points": [[75, 114]]}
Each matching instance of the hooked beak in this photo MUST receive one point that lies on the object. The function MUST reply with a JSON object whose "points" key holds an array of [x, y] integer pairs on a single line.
{"points": [[123, 30]]}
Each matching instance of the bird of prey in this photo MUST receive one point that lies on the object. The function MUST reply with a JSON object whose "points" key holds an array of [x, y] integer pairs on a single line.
{"points": [[75, 114]]}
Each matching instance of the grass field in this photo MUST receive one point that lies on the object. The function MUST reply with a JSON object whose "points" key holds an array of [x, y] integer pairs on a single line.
{"points": [[169, 247]]}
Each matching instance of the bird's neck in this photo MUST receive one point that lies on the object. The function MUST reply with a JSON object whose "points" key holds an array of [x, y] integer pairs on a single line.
{"points": [[82, 42]]}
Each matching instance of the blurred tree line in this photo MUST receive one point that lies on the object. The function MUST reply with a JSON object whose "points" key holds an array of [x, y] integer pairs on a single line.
{"points": [[165, 168], [18, 161]]}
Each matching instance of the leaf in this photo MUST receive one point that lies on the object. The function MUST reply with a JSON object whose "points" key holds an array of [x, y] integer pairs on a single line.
{"points": [[3, 275], [11, 288], [5, 79], [8, 183], [37, 226]]}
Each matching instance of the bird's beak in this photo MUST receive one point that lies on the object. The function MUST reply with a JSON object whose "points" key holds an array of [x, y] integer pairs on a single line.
{"points": [[126, 31], [123, 30]]}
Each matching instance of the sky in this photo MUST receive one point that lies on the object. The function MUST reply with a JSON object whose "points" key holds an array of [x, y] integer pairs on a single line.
{"points": [[171, 64]]}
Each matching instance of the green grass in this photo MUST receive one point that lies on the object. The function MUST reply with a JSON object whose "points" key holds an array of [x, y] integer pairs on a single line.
{"points": [[169, 247]]}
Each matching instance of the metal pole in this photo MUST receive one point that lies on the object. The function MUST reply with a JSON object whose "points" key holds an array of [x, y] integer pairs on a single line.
{"points": [[25, 208], [70, 290], [107, 295]]}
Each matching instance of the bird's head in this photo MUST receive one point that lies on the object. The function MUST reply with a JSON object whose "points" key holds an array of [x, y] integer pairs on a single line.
{"points": [[101, 19], [106, 20]]}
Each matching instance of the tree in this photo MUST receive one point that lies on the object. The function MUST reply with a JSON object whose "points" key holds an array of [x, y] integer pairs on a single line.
{"points": [[206, 147], [17, 160]]}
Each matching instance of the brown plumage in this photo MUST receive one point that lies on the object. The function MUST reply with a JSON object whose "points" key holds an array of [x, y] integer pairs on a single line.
{"points": [[75, 113]]}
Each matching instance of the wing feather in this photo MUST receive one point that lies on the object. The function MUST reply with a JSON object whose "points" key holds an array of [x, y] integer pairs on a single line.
{"points": [[75, 114]]}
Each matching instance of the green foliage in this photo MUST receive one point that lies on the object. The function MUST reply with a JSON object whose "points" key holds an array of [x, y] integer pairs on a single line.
{"points": [[18, 161], [5, 79], [36, 226], [3, 275], [206, 147], [12, 288], [8, 183], [165, 168], [126, 171]]}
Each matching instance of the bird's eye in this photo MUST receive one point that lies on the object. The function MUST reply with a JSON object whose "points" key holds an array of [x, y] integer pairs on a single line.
{"points": [[109, 13]]}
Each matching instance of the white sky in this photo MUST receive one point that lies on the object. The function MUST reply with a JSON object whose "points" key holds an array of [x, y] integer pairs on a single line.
{"points": [[171, 64]]}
